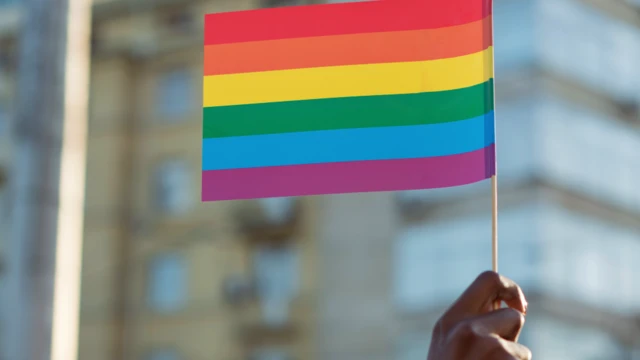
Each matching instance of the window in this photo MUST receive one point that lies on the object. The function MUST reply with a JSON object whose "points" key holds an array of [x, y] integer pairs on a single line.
{"points": [[270, 354], [455, 248], [442, 194], [179, 20], [280, 3], [515, 153], [553, 339], [513, 32], [626, 259], [277, 210], [426, 251], [554, 266], [167, 283], [590, 47], [276, 272], [585, 259], [415, 271], [173, 186], [626, 183], [597, 160], [174, 94], [163, 355]]}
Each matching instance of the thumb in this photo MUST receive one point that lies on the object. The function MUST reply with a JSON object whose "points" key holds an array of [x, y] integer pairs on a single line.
{"points": [[505, 323]]}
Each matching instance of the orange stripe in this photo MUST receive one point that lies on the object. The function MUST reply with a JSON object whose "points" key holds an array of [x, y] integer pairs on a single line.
{"points": [[371, 48]]}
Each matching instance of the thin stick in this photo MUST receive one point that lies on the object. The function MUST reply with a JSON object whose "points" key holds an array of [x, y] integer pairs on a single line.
{"points": [[494, 191], [494, 235], [494, 215]]}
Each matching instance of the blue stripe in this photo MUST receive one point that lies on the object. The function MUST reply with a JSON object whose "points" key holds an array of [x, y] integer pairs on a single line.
{"points": [[314, 147]]}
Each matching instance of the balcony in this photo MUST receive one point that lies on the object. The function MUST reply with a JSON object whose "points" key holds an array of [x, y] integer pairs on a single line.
{"points": [[597, 161], [269, 220], [548, 249], [270, 321], [269, 353]]}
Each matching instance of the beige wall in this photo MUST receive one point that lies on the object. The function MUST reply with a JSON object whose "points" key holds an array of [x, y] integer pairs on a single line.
{"points": [[125, 130]]}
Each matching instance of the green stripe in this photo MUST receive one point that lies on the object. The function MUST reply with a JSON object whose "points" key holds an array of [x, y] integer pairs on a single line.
{"points": [[348, 113]]}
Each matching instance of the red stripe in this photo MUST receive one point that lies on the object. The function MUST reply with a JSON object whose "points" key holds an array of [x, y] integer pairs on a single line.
{"points": [[349, 177], [353, 49], [341, 19]]}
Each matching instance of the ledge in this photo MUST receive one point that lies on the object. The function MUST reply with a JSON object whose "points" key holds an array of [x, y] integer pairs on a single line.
{"points": [[113, 8], [256, 227]]}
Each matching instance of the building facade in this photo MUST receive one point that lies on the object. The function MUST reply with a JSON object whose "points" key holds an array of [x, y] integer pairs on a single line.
{"points": [[568, 91], [363, 276], [368, 269], [165, 276], [8, 26]]}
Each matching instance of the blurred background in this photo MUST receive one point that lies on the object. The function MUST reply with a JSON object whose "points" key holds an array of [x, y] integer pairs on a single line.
{"points": [[345, 277]]}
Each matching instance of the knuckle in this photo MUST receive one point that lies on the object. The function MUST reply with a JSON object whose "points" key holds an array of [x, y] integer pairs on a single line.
{"points": [[490, 277], [494, 344], [518, 317], [500, 354], [464, 331], [496, 350]]}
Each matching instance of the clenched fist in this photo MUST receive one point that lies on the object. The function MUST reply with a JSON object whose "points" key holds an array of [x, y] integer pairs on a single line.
{"points": [[472, 330]]}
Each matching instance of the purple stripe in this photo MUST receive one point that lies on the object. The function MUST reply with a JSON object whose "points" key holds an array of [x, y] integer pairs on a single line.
{"points": [[349, 177]]}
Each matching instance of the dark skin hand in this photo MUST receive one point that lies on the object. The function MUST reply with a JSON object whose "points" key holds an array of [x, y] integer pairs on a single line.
{"points": [[472, 330]]}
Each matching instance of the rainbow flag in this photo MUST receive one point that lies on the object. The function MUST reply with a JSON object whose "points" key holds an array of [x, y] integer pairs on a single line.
{"points": [[352, 97]]}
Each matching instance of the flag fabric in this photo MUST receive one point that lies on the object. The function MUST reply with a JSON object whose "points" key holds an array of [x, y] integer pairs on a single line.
{"points": [[352, 97]]}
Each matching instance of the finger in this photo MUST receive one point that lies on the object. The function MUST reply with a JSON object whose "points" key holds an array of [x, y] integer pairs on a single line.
{"points": [[504, 323], [518, 351], [488, 288], [495, 348]]}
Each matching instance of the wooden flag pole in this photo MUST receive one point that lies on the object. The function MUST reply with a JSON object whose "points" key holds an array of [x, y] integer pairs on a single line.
{"points": [[494, 233], [494, 216], [494, 190]]}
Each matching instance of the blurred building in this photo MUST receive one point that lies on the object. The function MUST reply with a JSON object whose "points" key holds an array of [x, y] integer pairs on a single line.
{"points": [[364, 276], [568, 93], [166, 277], [8, 27]]}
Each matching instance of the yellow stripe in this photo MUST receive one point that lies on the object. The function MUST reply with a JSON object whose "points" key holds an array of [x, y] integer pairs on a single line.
{"points": [[347, 81]]}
